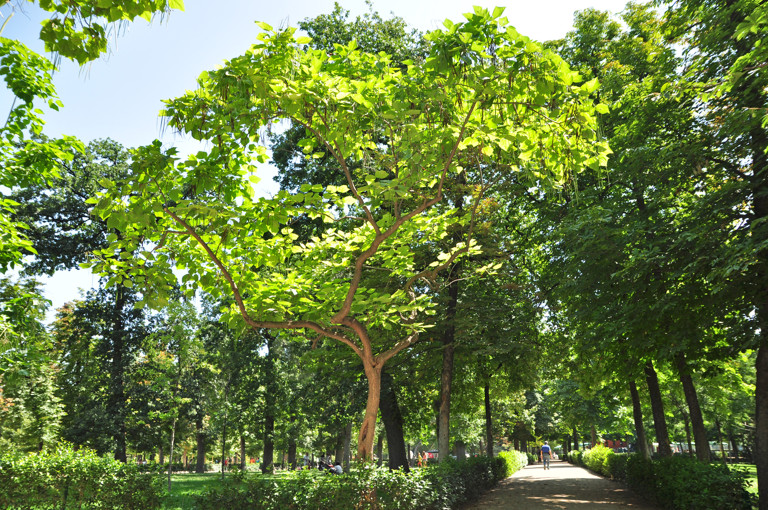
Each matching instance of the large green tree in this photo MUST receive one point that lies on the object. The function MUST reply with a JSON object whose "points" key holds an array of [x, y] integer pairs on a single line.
{"points": [[483, 94]]}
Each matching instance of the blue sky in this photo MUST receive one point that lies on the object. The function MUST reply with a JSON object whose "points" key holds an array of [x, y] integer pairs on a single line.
{"points": [[119, 96]]}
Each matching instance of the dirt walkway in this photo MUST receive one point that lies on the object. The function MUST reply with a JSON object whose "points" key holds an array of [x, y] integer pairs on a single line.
{"points": [[562, 486]]}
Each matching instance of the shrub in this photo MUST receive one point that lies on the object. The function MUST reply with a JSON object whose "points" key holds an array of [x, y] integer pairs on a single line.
{"points": [[575, 457], [617, 466], [596, 459], [68, 478], [531, 458], [685, 483], [512, 462], [437, 487]]}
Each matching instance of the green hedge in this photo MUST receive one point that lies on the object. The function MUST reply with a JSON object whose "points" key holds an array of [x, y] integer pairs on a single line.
{"points": [[438, 487], [677, 483], [684, 483], [65, 478]]}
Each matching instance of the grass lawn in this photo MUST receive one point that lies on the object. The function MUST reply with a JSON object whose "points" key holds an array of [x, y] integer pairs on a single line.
{"points": [[751, 472], [186, 485]]}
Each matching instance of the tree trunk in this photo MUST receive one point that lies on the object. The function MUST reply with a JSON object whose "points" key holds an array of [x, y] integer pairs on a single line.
{"points": [[380, 451], [488, 423], [160, 455], [270, 404], [720, 441], [242, 451], [348, 448], [200, 437], [170, 464], [576, 445], [292, 453], [368, 427], [593, 433], [734, 444], [687, 423], [338, 453], [393, 424], [223, 445], [657, 405], [117, 379], [637, 414], [761, 420], [446, 377], [694, 410]]}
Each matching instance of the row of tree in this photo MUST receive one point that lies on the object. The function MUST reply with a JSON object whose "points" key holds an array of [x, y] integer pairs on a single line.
{"points": [[451, 218]]}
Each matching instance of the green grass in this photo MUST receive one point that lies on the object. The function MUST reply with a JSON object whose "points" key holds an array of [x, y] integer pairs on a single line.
{"points": [[184, 486], [751, 471]]}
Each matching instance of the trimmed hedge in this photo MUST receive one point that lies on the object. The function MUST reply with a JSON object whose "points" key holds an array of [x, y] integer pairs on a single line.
{"points": [[684, 483], [439, 487], [65, 478], [677, 483]]}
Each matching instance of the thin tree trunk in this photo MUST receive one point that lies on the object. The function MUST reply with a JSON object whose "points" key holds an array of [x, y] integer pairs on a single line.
{"points": [[593, 433], [242, 451], [687, 423], [270, 403], [380, 451], [170, 464], [637, 414], [117, 379], [734, 444], [292, 453], [576, 444], [223, 445], [657, 405], [720, 441], [694, 410], [161, 455], [348, 447], [200, 439], [488, 423], [338, 454], [446, 377], [393, 424]]}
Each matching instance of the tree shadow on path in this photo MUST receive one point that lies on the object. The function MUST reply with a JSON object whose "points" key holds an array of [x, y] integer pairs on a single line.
{"points": [[562, 487]]}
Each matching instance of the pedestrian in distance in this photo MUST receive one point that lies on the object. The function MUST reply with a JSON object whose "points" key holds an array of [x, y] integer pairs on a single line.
{"points": [[546, 454]]}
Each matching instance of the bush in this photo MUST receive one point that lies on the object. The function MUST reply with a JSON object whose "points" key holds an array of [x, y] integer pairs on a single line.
{"points": [[575, 457], [65, 478], [437, 487], [596, 459], [617, 466], [531, 458], [685, 483]]}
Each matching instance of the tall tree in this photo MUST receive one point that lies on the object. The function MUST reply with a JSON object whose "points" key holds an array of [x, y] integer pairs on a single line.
{"points": [[459, 106]]}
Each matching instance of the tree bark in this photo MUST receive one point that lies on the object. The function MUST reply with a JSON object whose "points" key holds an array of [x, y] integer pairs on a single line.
{"points": [[761, 421], [117, 379], [734, 444], [348, 447], [657, 405], [720, 441], [694, 410], [393, 424], [200, 437], [488, 423], [637, 414], [223, 445], [270, 404], [242, 452], [380, 451], [576, 444], [368, 427], [292, 453], [170, 464], [446, 377]]}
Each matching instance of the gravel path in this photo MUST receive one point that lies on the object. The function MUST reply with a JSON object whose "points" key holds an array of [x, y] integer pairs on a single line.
{"points": [[564, 486]]}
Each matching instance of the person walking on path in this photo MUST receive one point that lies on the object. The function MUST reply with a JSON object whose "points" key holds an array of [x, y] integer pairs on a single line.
{"points": [[546, 454], [563, 487]]}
